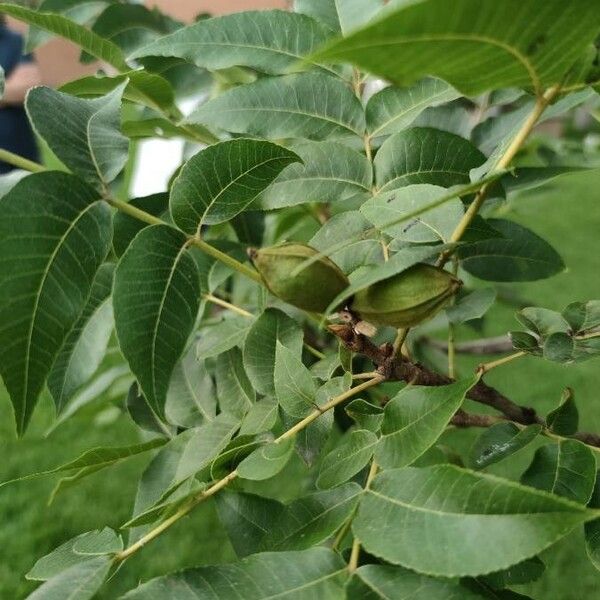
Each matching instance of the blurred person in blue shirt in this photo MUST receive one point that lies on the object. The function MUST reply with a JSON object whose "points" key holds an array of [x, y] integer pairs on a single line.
{"points": [[20, 73]]}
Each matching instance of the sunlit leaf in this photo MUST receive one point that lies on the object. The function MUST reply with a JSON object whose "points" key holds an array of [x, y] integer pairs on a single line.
{"points": [[414, 419], [269, 41], [473, 46], [224, 179], [309, 574], [309, 105], [393, 109], [566, 469], [418, 518], [425, 155]]}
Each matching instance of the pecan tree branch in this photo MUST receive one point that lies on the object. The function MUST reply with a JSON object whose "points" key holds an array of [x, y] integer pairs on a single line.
{"points": [[400, 369], [492, 345]]}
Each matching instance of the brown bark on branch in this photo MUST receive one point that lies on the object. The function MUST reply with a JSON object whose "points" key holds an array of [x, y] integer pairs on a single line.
{"points": [[399, 368]]}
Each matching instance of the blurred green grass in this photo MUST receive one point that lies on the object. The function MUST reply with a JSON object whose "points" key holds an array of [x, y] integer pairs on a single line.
{"points": [[566, 213]]}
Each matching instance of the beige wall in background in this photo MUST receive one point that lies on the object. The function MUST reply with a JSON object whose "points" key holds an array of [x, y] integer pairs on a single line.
{"points": [[188, 9], [59, 60]]}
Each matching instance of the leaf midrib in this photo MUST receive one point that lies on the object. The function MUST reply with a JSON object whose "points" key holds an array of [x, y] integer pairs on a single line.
{"points": [[46, 272], [178, 257], [245, 173], [430, 100], [513, 51]]}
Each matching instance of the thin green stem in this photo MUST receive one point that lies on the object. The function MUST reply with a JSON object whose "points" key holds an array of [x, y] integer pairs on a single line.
{"points": [[355, 552], [22, 163], [224, 304], [588, 336], [504, 161], [221, 483], [194, 241], [328, 406], [182, 512], [451, 352], [451, 330], [485, 367], [227, 260], [136, 213], [244, 313], [368, 375], [401, 336], [316, 353]]}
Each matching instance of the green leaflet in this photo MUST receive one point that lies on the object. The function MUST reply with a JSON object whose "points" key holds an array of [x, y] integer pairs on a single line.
{"points": [[414, 420], [82, 12], [92, 145], [567, 469], [268, 41], [297, 100], [340, 15], [260, 347], [141, 87], [474, 46], [345, 240], [386, 582], [266, 461], [310, 520], [223, 180], [425, 155], [235, 392], [247, 519], [45, 280], [131, 26], [583, 316], [418, 518], [351, 454], [81, 581], [156, 299], [90, 42], [500, 441], [257, 524], [519, 255], [127, 227], [295, 388], [261, 417], [86, 343], [98, 543], [221, 337], [74, 551], [472, 306], [393, 109], [432, 225], [313, 574], [181, 458], [191, 398], [365, 414], [329, 172], [564, 420], [592, 528], [95, 459]]}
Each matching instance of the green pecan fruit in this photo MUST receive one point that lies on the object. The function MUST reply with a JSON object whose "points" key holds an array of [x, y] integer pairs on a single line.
{"points": [[408, 298], [310, 286]]}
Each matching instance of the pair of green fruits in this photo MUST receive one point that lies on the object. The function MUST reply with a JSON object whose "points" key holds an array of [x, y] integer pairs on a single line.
{"points": [[301, 276]]}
